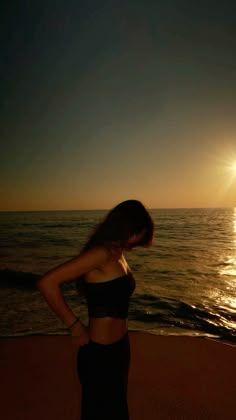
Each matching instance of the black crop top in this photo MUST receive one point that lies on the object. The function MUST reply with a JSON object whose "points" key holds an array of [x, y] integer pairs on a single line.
{"points": [[110, 298]]}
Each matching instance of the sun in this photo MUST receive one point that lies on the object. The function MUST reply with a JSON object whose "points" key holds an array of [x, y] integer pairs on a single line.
{"points": [[233, 167]]}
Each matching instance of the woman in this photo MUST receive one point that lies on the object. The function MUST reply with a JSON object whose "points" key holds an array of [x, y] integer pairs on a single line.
{"points": [[106, 280]]}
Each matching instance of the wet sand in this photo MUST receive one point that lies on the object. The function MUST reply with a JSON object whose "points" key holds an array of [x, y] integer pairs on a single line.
{"points": [[170, 378]]}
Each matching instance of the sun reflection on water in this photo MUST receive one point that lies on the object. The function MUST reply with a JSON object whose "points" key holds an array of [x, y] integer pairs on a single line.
{"points": [[234, 226], [228, 268]]}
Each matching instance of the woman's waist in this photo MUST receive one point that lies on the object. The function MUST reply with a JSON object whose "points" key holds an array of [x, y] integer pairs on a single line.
{"points": [[107, 330]]}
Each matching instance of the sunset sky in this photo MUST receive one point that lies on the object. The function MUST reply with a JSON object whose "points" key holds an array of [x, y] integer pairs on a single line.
{"points": [[103, 101]]}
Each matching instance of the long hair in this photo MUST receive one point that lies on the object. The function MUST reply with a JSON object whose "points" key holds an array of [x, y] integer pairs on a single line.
{"points": [[126, 219]]}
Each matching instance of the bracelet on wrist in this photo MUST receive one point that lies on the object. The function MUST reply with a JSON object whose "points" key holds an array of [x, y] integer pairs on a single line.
{"points": [[72, 325]]}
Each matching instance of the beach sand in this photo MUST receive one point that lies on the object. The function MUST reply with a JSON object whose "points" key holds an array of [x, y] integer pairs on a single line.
{"points": [[170, 378]]}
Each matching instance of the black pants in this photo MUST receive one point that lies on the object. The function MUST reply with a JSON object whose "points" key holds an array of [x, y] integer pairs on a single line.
{"points": [[103, 374]]}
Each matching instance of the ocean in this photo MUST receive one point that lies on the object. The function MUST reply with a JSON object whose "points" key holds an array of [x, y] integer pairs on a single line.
{"points": [[185, 283]]}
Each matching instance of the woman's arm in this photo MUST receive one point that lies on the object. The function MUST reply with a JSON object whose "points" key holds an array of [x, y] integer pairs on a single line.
{"points": [[49, 284]]}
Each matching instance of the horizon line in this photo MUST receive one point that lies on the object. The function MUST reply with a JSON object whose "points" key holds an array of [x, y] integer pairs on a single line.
{"points": [[107, 209]]}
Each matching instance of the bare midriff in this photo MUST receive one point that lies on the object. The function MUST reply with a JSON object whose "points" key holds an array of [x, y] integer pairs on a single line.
{"points": [[107, 330]]}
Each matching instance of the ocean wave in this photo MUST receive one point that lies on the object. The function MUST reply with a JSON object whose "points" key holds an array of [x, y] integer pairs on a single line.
{"points": [[18, 279], [172, 313]]}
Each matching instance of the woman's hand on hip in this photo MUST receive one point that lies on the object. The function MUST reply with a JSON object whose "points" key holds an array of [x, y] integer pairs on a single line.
{"points": [[80, 335]]}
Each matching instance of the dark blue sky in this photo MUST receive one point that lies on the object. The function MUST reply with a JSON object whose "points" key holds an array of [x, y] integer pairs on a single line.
{"points": [[106, 100]]}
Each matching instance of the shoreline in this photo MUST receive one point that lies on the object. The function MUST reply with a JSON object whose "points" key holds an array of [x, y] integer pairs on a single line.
{"points": [[170, 377], [130, 330]]}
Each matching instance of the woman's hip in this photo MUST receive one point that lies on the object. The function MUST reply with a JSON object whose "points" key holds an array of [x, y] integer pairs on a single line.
{"points": [[103, 362]]}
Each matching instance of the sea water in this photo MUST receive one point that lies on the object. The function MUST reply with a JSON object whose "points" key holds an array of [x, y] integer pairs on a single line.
{"points": [[185, 283]]}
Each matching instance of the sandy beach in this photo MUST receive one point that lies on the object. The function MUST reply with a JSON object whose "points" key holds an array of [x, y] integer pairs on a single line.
{"points": [[170, 378]]}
